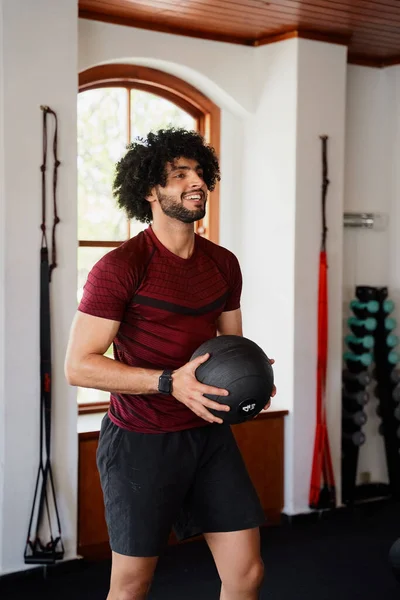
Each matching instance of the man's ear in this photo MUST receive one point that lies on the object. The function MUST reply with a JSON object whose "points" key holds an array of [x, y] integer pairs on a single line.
{"points": [[152, 197]]}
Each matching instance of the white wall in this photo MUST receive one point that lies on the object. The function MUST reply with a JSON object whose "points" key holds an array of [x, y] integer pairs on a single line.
{"points": [[39, 57], [371, 185], [224, 70], [233, 196]]}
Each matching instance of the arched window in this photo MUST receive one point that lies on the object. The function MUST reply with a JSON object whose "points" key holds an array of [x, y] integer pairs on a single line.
{"points": [[117, 103]]}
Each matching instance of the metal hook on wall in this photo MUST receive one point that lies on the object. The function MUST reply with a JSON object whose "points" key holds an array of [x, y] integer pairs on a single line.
{"points": [[365, 220]]}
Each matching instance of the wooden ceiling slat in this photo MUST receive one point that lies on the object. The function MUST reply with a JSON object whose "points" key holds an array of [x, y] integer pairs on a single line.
{"points": [[370, 28], [370, 8], [164, 27], [373, 9], [367, 43], [164, 7], [285, 9], [291, 7]]}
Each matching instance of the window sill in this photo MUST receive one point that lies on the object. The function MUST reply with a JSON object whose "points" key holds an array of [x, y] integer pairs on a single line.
{"points": [[92, 407]]}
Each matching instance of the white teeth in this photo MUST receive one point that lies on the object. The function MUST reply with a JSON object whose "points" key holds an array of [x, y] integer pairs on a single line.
{"points": [[194, 197]]}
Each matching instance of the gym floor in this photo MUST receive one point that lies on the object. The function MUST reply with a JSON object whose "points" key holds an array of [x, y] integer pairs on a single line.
{"points": [[341, 555]]}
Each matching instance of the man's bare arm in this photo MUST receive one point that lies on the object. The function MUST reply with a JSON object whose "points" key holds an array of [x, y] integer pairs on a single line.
{"points": [[230, 323], [85, 365]]}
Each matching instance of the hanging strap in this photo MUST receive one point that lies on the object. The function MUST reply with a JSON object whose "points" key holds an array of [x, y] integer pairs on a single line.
{"points": [[322, 486], [325, 184], [37, 552], [56, 163]]}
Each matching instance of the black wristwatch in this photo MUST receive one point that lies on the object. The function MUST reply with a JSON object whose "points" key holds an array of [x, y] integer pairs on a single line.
{"points": [[165, 382]]}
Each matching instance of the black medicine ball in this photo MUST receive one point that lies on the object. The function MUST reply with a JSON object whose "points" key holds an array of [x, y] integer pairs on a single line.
{"points": [[240, 366]]}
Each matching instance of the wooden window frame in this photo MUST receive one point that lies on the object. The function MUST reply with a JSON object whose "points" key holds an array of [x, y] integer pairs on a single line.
{"points": [[184, 95]]}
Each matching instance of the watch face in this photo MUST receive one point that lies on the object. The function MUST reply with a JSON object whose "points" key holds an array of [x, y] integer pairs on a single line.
{"points": [[164, 384]]}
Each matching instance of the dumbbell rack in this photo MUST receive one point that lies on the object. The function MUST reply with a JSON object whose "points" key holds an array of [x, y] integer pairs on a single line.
{"points": [[371, 341], [387, 390]]}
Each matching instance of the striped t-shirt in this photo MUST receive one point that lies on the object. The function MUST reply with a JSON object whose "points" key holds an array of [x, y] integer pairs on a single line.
{"points": [[167, 307]]}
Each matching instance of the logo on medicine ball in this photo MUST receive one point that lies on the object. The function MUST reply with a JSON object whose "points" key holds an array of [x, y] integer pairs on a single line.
{"points": [[247, 407]]}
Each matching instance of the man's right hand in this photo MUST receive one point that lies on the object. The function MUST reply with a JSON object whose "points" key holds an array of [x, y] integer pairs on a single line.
{"points": [[188, 390]]}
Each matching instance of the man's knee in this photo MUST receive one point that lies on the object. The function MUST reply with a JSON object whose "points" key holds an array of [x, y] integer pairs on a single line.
{"points": [[137, 589], [246, 580], [131, 577]]}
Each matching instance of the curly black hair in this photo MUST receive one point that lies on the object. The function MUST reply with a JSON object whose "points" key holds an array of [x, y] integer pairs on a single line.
{"points": [[144, 166]]}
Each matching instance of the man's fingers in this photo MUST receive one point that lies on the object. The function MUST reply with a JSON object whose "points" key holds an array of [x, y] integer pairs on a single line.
{"points": [[207, 416], [199, 360], [212, 391], [214, 405]]}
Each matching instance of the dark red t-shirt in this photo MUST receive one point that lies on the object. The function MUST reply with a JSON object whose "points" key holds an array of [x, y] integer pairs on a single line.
{"points": [[167, 307]]}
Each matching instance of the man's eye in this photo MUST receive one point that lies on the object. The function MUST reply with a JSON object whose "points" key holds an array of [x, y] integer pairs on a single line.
{"points": [[180, 176]]}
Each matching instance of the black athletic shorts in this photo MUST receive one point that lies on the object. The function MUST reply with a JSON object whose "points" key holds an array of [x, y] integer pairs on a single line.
{"points": [[192, 481]]}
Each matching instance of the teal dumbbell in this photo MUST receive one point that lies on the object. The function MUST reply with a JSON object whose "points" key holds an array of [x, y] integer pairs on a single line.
{"points": [[396, 393], [357, 362], [390, 324], [361, 327], [388, 306], [392, 340], [393, 357], [363, 309], [355, 344]]}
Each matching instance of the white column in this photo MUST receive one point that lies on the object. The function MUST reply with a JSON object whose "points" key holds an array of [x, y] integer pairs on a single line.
{"points": [[303, 97], [39, 58], [321, 107]]}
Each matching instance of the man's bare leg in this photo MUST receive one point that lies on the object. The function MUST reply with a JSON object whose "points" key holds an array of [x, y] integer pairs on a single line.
{"points": [[238, 560]]}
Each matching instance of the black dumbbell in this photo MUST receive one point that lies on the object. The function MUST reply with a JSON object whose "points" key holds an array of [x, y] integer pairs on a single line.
{"points": [[354, 439]]}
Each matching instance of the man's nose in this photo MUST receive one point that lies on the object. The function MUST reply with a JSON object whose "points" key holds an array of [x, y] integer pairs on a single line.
{"points": [[196, 180]]}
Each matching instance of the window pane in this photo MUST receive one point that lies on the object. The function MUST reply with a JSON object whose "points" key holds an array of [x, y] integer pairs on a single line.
{"points": [[87, 257], [150, 112], [89, 396], [102, 139], [137, 227]]}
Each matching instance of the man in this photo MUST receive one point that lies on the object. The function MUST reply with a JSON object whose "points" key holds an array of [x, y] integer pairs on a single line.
{"points": [[164, 459]]}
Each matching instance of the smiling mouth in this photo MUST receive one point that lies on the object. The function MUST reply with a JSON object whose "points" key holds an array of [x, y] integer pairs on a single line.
{"points": [[197, 198]]}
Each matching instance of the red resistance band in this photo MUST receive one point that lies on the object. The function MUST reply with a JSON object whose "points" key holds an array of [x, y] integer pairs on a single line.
{"points": [[322, 486]]}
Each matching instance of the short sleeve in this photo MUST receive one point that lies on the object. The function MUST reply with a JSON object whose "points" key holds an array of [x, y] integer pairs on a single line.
{"points": [[235, 284], [109, 288]]}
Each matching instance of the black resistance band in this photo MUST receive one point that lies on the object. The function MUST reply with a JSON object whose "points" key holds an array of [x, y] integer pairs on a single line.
{"points": [[37, 551]]}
